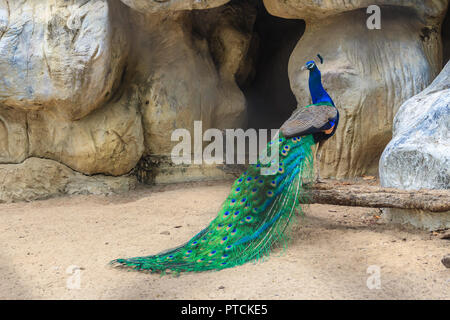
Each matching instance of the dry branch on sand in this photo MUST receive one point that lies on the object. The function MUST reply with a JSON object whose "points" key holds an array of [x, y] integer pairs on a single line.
{"points": [[363, 195]]}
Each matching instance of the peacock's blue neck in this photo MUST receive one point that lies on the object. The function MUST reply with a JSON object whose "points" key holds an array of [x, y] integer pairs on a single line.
{"points": [[318, 93]]}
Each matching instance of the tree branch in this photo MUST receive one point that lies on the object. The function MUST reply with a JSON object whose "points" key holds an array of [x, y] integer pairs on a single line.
{"points": [[363, 195]]}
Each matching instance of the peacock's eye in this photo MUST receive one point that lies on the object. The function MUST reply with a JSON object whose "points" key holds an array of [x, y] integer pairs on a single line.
{"points": [[310, 65]]}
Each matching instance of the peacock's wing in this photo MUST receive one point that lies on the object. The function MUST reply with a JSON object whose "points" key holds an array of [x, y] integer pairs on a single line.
{"points": [[308, 120]]}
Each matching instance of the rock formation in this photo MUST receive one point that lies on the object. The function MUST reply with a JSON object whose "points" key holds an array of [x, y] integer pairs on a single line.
{"points": [[418, 156], [91, 91], [369, 73]]}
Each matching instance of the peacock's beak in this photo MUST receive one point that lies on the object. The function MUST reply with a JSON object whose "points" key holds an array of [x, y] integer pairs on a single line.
{"points": [[303, 68]]}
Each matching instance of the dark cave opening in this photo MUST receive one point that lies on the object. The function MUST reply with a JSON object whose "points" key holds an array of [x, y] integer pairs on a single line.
{"points": [[270, 100]]}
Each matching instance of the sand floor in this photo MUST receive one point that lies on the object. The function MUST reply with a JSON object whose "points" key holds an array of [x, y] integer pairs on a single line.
{"points": [[329, 256]]}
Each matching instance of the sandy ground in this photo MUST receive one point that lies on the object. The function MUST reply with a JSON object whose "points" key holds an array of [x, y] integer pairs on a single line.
{"points": [[328, 257]]}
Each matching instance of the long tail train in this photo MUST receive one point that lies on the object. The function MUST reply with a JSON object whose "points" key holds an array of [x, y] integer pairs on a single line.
{"points": [[252, 219]]}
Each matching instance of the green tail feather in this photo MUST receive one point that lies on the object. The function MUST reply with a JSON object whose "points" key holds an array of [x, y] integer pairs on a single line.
{"points": [[252, 219]]}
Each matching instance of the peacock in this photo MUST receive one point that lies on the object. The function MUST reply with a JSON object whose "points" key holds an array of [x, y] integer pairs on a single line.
{"points": [[262, 201]]}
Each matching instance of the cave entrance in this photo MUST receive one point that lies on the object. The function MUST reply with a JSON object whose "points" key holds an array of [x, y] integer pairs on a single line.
{"points": [[270, 100]]}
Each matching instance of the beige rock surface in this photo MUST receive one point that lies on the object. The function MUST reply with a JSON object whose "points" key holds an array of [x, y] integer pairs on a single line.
{"points": [[369, 74], [42, 178], [312, 9], [13, 135], [109, 140], [60, 55], [179, 81], [418, 156], [155, 6]]}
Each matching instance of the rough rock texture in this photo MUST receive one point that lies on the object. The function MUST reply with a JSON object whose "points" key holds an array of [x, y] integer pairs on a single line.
{"points": [[59, 54], [418, 155], [313, 9], [369, 74], [62, 65], [180, 77], [98, 85], [13, 135], [417, 218], [110, 140], [154, 6], [41, 178], [71, 92]]}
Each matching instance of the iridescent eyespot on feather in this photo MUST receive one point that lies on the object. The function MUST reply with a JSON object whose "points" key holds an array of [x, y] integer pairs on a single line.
{"points": [[228, 247], [255, 210], [232, 202], [224, 256], [284, 152], [273, 183], [234, 231], [244, 200], [287, 148], [249, 218], [212, 253], [169, 257], [260, 181], [254, 190], [201, 260], [219, 226], [188, 252], [226, 213], [223, 240], [270, 194], [240, 180], [237, 190], [229, 226], [281, 170], [194, 243]]}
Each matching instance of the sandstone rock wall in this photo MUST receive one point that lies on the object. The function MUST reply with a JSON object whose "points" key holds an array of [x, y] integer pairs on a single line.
{"points": [[60, 55], [418, 156], [91, 89], [368, 73]]}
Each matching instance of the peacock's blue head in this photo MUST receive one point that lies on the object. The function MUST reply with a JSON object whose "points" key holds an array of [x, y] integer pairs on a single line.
{"points": [[310, 65]]}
